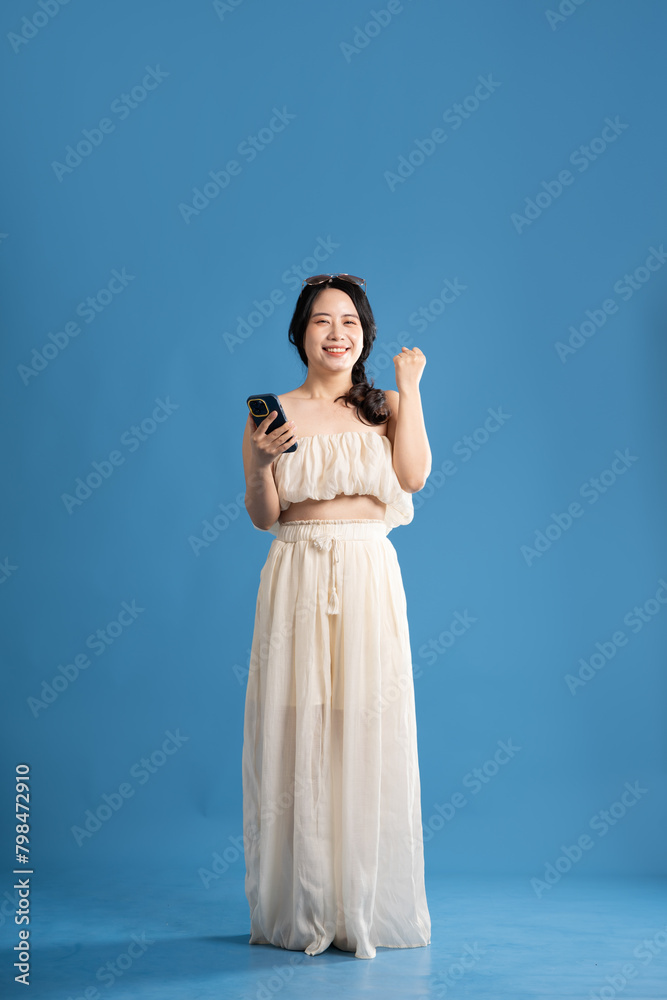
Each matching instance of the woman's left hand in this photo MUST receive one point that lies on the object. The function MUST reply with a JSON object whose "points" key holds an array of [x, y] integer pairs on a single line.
{"points": [[409, 365]]}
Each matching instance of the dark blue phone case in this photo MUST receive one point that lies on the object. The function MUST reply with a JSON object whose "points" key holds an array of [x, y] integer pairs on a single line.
{"points": [[260, 405]]}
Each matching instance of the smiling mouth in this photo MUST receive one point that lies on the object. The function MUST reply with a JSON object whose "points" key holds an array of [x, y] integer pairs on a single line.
{"points": [[336, 350]]}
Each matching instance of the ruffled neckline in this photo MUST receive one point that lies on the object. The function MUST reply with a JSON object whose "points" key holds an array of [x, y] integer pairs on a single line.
{"points": [[329, 435], [307, 437]]}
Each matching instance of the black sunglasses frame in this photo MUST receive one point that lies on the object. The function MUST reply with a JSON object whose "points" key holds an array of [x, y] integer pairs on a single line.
{"points": [[319, 279]]}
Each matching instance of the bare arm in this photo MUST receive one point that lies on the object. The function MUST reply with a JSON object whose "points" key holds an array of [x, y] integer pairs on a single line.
{"points": [[406, 429], [259, 452]]}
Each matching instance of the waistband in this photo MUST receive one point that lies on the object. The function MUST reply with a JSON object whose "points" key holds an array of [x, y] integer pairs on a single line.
{"points": [[343, 529]]}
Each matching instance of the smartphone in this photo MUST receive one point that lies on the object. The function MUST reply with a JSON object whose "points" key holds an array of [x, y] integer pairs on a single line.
{"points": [[260, 405]]}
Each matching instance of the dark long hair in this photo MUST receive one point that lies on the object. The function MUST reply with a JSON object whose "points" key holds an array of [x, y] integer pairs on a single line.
{"points": [[370, 403]]}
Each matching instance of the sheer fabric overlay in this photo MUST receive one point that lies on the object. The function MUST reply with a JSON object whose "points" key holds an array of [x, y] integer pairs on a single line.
{"points": [[331, 791]]}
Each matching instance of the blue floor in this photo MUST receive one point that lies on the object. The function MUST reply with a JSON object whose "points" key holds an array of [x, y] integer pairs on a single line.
{"points": [[163, 935]]}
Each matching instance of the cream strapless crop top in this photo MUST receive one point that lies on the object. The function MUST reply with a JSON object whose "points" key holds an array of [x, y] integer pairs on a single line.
{"points": [[350, 462]]}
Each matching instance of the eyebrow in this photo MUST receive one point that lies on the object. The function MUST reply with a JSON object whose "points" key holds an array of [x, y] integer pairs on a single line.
{"points": [[353, 315]]}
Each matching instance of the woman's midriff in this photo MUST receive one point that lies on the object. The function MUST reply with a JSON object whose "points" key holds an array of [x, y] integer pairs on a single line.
{"points": [[340, 507]]}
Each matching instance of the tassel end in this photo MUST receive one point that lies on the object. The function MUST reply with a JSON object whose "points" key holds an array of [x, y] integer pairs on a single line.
{"points": [[333, 607]]}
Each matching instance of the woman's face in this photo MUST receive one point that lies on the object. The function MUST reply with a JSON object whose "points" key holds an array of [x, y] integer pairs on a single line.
{"points": [[334, 323]]}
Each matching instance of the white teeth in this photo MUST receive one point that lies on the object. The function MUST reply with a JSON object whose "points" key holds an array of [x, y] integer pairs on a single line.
{"points": [[335, 350]]}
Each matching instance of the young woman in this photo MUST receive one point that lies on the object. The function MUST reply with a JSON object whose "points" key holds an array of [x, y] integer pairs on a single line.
{"points": [[331, 792]]}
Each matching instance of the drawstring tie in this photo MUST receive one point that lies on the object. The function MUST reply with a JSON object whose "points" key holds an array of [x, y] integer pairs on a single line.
{"points": [[328, 542]]}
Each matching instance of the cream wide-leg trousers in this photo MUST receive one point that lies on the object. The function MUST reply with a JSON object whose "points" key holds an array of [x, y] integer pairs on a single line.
{"points": [[331, 792]]}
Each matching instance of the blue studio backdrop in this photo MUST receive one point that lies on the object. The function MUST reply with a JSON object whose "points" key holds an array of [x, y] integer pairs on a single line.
{"points": [[172, 171]]}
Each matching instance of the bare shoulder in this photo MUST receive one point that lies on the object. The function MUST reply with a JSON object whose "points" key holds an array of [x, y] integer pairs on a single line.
{"points": [[392, 397], [284, 397], [289, 401]]}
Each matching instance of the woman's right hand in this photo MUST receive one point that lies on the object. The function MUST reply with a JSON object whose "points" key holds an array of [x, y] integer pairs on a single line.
{"points": [[267, 447]]}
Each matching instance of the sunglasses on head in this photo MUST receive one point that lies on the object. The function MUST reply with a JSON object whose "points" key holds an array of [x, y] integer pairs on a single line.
{"points": [[319, 279]]}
